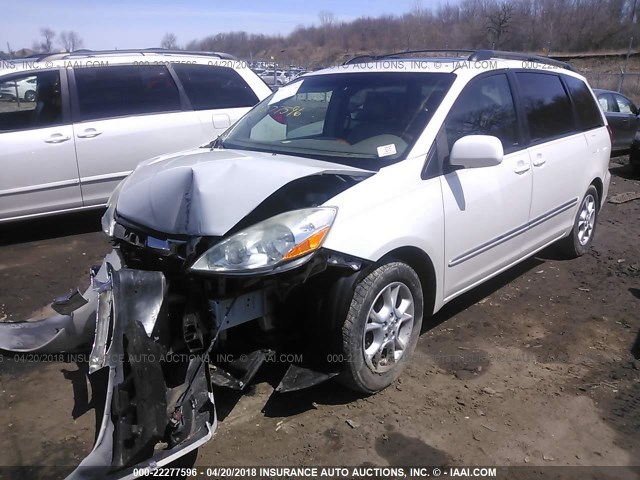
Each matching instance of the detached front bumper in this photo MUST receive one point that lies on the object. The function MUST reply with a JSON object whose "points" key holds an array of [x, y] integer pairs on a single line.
{"points": [[158, 404], [70, 332], [158, 407]]}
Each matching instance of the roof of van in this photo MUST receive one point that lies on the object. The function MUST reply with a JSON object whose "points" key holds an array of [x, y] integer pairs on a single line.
{"points": [[101, 57]]}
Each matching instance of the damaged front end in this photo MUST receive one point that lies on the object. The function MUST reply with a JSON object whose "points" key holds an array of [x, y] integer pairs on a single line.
{"points": [[158, 404], [168, 317], [158, 401]]}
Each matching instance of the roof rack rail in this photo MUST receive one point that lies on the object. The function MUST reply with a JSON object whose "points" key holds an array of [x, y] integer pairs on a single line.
{"points": [[473, 56], [34, 56], [480, 55], [361, 58], [139, 51]]}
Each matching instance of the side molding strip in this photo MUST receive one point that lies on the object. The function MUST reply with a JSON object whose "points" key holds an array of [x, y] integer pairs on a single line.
{"points": [[513, 233]]}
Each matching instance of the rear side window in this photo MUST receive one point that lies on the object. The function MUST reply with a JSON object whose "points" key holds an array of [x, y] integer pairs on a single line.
{"points": [[547, 106], [32, 100], [625, 105], [114, 91], [587, 111], [211, 87], [485, 107], [607, 103]]}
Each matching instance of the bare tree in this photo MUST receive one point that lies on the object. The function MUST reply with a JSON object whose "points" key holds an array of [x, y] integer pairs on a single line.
{"points": [[498, 22], [521, 25], [417, 9], [71, 41], [46, 45], [169, 41], [326, 18]]}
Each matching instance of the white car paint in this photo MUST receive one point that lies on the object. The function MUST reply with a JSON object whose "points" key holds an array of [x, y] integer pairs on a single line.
{"points": [[471, 223], [397, 209], [474, 215], [181, 194], [76, 165], [38, 174]]}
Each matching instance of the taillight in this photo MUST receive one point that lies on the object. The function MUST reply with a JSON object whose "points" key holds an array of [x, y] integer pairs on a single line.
{"points": [[610, 132]]}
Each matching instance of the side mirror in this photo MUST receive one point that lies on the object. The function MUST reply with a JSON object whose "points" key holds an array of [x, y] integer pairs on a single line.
{"points": [[475, 151]]}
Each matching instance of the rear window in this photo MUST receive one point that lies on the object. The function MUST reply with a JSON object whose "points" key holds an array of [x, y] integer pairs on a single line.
{"points": [[211, 87], [546, 104], [586, 108], [114, 91]]}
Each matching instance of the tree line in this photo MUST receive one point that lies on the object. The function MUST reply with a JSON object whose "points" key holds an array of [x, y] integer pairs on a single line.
{"points": [[544, 26]]}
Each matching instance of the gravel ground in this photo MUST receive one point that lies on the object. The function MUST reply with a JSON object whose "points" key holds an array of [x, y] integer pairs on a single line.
{"points": [[536, 368]]}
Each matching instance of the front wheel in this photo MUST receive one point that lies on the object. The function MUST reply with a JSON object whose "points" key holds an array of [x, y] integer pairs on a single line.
{"points": [[382, 327], [584, 226], [30, 96]]}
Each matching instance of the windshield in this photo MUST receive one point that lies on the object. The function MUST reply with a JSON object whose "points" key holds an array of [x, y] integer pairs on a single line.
{"points": [[367, 120]]}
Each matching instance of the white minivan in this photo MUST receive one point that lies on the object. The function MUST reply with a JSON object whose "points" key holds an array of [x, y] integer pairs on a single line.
{"points": [[319, 231], [73, 125]]}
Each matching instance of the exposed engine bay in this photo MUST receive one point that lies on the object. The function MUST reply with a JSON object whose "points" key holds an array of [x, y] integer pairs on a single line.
{"points": [[167, 334]]}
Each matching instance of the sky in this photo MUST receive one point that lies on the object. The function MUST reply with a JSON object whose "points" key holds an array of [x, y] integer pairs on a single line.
{"points": [[127, 24]]}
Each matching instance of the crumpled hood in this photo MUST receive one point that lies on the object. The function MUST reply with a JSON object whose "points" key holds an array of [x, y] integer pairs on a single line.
{"points": [[204, 192]]}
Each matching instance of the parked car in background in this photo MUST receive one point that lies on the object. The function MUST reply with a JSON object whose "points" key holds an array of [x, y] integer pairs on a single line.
{"points": [[274, 78], [96, 115], [634, 153], [24, 89], [622, 116], [326, 224]]}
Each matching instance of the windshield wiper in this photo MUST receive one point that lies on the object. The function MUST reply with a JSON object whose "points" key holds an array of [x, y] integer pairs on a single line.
{"points": [[217, 143]]}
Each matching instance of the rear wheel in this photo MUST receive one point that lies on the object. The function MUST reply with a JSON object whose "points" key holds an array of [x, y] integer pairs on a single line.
{"points": [[382, 327], [584, 226]]}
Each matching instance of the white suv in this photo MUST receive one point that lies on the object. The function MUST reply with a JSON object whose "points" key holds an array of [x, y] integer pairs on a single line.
{"points": [[90, 117], [320, 230]]}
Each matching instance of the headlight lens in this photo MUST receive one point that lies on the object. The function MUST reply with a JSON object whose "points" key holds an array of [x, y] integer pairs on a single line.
{"points": [[270, 243], [109, 217]]}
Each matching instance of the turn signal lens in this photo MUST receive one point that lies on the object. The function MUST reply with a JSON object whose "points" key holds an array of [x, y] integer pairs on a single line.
{"points": [[307, 246]]}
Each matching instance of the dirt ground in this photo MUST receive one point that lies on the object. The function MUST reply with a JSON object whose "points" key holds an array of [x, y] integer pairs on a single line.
{"points": [[535, 368]]}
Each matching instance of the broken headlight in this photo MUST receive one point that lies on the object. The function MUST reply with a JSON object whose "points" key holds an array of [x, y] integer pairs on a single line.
{"points": [[269, 244], [109, 217]]}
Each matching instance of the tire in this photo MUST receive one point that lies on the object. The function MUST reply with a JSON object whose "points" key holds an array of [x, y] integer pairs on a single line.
{"points": [[30, 96], [634, 160], [579, 240], [367, 366]]}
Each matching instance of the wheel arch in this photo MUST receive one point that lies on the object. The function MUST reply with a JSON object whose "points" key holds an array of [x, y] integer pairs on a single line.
{"points": [[339, 286], [420, 261], [597, 182]]}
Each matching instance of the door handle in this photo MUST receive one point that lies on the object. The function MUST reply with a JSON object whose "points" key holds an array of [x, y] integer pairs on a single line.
{"points": [[522, 167], [539, 160], [57, 138], [89, 133]]}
